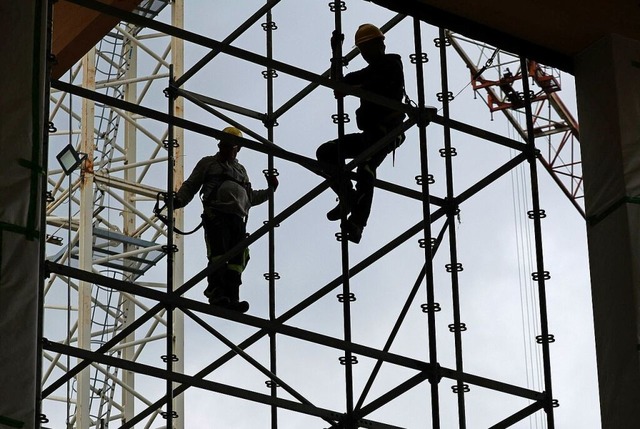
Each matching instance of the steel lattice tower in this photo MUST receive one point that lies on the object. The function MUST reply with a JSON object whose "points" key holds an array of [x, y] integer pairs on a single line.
{"points": [[108, 358]]}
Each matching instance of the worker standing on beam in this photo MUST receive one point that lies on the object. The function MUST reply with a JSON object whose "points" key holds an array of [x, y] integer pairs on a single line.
{"points": [[383, 76], [226, 196]]}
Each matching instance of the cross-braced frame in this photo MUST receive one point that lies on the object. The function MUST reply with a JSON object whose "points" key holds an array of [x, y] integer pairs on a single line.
{"points": [[118, 359]]}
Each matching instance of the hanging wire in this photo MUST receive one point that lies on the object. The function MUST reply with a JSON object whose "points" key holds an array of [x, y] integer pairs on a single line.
{"points": [[456, 95], [528, 298]]}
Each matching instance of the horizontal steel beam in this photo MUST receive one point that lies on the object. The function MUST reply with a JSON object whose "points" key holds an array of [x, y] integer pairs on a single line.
{"points": [[201, 383]]}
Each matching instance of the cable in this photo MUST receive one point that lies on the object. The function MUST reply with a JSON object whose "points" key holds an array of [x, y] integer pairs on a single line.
{"points": [[527, 294]]}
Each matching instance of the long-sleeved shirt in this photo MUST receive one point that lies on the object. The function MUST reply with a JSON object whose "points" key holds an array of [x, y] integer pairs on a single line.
{"points": [[383, 77], [223, 186]]}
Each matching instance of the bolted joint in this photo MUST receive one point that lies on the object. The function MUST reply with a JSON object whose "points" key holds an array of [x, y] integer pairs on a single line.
{"points": [[427, 308], [269, 73], [440, 41], [451, 207], [334, 6], [419, 58], [170, 143], [172, 358], [351, 297], [271, 25], [532, 153], [423, 116], [549, 402], [165, 415], [353, 360], [169, 249], [171, 91], [339, 62], [271, 383], [436, 374], [270, 122]]}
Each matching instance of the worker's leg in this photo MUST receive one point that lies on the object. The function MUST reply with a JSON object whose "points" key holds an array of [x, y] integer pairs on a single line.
{"points": [[217, 238], [236, 265], [332, 154], [366, 176], [365, 180]]}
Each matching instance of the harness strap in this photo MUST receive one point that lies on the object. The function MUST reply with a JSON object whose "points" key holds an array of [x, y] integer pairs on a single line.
{"points": [[157, 210]]}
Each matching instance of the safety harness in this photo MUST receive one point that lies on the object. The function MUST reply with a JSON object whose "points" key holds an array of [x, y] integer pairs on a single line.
{"points": [[219, 179], [157, 210]]}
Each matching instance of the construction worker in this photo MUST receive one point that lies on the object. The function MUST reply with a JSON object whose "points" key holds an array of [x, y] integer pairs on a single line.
{"points": [[383, 76], [226, 196]]}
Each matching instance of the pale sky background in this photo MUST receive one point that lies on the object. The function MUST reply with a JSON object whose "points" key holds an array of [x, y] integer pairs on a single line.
{"points": [[495, 288]]}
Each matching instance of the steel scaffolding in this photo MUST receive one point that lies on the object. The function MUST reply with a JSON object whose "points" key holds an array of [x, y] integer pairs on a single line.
{"points": [[117, 322]]}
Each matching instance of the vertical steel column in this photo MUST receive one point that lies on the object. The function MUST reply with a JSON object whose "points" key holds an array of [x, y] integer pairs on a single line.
{"points": [[68, 282], [169, 357], [452, 210], [432, 307], [177, 61], [87, 143], [48, 19], [540, 275], [337, 62], [272, 276]]}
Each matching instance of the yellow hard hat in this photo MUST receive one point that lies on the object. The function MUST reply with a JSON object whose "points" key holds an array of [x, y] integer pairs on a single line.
{"points": [[368, 32], [232, 130]]}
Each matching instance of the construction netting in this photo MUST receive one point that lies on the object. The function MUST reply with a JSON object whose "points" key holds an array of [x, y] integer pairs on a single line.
{"points": [[22, 50]]}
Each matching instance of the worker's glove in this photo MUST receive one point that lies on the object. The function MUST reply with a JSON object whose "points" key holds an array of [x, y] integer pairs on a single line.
{"points": [[165, 199], [272, 178], [336, 39]]}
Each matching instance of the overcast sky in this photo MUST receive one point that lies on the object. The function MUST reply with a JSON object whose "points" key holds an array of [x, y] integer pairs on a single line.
{"points": [[494, 241], [494, 244]]}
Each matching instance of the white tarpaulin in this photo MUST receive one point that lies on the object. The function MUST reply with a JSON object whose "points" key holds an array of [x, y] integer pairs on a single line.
{"points": [[22, 49]]}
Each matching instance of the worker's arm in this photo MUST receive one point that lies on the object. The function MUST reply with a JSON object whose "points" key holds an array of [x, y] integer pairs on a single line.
{"points": [[192, 185], [262, 195]]}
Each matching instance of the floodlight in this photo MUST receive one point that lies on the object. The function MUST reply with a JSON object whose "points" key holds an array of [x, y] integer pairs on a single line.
{"points": [[69, 159]]}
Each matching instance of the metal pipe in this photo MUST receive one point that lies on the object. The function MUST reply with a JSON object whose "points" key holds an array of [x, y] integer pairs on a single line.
{"points": [[169, 357], [452, 210], [346, 297], [540, 276], [273, 382], [426, 212]]}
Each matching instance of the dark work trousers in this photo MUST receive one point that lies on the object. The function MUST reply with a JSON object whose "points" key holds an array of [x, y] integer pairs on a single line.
{"points": [[352, 146], [222, 232]]}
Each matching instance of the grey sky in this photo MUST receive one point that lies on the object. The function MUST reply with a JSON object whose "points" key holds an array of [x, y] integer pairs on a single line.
{"points": [[493, 244]]}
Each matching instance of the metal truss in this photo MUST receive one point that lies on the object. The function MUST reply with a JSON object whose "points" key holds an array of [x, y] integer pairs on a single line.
{"points": [[103, 370], [495, 75], [98, 219]]}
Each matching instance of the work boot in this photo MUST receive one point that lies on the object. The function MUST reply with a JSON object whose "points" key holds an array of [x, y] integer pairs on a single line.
{"points": [[353, 231], [216, 296], [232, 291], [334, 213], [239, 306]]}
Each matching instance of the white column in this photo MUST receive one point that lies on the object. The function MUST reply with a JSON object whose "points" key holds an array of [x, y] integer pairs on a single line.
{"points": [[608, 90], [86, 235], [128, 307], [177, 59]]}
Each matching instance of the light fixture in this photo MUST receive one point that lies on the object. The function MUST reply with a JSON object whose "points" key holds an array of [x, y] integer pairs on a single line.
{"points": [[69, 159]]}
